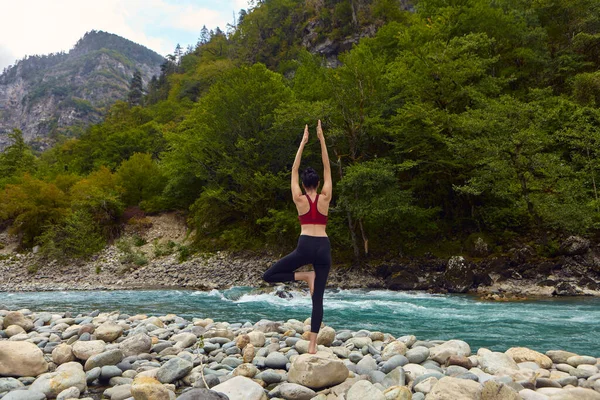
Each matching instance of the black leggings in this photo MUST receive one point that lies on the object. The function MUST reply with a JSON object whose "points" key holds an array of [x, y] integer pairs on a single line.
{"points": [[314, 250]]}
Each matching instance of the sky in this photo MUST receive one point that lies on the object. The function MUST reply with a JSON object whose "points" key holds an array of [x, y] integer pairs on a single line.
{"points": [[29, 27]]}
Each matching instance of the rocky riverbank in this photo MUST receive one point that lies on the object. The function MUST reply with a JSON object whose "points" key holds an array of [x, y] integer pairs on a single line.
{"points": [[519, 273], [117, 356]]}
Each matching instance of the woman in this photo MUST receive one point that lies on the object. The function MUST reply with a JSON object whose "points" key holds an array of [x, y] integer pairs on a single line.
{"points": [[313, 244]]}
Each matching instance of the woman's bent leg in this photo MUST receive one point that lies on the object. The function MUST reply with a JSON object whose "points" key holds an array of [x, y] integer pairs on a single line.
{"points": [[283, 270]]}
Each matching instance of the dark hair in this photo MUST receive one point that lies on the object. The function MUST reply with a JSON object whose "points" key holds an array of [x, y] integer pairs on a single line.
{"points": [[310, 178]]}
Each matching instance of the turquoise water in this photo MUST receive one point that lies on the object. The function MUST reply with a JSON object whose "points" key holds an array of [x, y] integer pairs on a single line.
{"points": [[566, 324]]}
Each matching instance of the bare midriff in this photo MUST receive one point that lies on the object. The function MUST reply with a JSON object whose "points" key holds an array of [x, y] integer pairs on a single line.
{"points": [[313, 230]]}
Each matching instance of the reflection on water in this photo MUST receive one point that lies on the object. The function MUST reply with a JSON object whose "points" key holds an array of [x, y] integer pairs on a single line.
{"points": [[545, 324]]}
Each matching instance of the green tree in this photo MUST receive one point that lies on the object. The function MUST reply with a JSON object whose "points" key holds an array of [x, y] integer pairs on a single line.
{"points": [[16, 158], [136, 89], [140, 179]]}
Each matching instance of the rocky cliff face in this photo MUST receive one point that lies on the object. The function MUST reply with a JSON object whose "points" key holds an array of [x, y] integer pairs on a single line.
{"points": [[60, 93]]}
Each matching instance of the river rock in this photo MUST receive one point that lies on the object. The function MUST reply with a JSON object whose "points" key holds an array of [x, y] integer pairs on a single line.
{"points": [[240, 388], [523, 354], [362, 390], [266, 326], [247, 370], [25, 395], [366, 365], [257, 339], [108, 331], [8, 384], [317, 371], [417, 354], [442, 352], [248, 353], [219, 331], [425, 385], [396, 377], [292, 391], [121, 392], [493, 390], [449, 388], [242, 341], [570, 393], [559, 356], [494, 362], [185, 339], [136, 344], [276, 360], [84, 350], [458, 277], [111, 357], [70, 393], [398, 393], [17, 318], [14, 330], [326, 336], [174, 369], [198, 394], [393, 349], [146, 388], [21, 359], [360, 342], [63, 353], [66, 375], [579, 360]]}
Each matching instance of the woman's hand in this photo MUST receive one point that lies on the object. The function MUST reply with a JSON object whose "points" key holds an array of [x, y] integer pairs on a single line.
{"points": [[305, 137], [320, 131]]}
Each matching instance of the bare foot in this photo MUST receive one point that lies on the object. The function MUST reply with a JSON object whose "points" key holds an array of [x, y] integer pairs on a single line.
{"points": [[308, 277]]}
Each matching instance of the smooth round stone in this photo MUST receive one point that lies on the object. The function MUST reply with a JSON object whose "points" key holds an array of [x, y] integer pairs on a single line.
{"points": [[8, 384], [468, 375], [417, 354], [394, 362], [418, 396], [423, 343], [109, 371], [269, 376], [85, 337], [563, 367], [582, 372], [579, 360], [528, 394], [355, 357], [567, 380], [93, 374], [233, 350], [232, 362], [119, 380], [70, 393], [366, 365], [291, 341], [376, 376], [343, 336], [276, 360], [423, 377]]}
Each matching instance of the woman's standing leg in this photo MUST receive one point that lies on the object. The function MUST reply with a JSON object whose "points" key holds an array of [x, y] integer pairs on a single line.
{"points": [[322, 266]]}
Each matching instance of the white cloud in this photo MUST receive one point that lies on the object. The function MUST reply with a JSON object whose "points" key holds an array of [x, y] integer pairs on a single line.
{"points": [[47, 26]]}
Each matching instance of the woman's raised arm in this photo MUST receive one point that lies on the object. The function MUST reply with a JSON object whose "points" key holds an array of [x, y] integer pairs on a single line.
{"points": [[296, 191], [326, 191]]}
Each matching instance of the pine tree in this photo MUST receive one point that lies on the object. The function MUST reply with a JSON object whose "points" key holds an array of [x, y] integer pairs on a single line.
{"points": [[136, 90]]}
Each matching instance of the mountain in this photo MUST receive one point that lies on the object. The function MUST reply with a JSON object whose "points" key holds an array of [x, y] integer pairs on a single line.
{"points": [[63, 92]]}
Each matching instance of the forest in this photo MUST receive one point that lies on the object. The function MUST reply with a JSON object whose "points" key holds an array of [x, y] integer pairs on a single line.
{"points": [[449, 123]]}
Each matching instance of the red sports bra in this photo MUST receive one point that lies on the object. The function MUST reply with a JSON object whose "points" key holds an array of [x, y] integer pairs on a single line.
{"points": [[313, 216]]}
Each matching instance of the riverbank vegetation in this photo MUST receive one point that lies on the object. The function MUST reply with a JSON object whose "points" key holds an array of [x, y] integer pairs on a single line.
{"points": [[455, 122]]}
